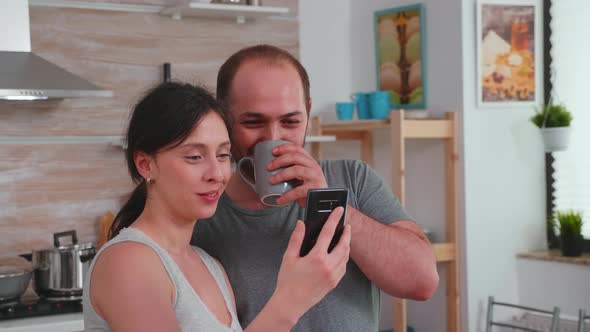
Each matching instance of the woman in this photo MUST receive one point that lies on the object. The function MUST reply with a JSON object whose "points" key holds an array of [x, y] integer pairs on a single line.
{"points": [[148, 277]]}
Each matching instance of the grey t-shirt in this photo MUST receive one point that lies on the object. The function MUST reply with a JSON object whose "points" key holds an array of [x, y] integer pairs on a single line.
{"points": [[250, 244]]}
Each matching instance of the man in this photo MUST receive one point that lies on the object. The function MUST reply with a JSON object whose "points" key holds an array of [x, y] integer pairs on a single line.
{"points": [[267, 93]]}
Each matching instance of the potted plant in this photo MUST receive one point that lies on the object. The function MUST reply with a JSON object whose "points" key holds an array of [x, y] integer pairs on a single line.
{"points": [[554, 121], [570, 233]]}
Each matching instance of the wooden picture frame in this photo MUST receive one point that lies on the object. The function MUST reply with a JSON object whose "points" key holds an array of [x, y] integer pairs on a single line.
{"points": [[401, 55], [509, 61]]}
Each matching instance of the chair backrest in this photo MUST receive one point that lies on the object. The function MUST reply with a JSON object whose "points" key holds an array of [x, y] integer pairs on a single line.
{"points": [[490, 316], [583, 317]]}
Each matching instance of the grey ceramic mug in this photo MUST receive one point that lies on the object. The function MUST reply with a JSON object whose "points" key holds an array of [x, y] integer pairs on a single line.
{"points": [[253, 171]]}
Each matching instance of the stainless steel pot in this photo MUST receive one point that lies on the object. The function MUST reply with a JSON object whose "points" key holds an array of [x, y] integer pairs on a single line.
{"points": [[13, 282], [59, 272]]}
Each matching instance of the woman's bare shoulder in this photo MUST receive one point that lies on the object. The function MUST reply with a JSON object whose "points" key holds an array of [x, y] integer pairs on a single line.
{"points": [[127, 276]]}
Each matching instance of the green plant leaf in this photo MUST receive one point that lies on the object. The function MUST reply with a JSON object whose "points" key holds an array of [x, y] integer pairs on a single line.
{"points": [[554, 115], [569, 223]]}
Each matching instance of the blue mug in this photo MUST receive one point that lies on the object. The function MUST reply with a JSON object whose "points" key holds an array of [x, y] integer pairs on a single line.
{"points": [[345, 110], [380, 103], [362, 104]]}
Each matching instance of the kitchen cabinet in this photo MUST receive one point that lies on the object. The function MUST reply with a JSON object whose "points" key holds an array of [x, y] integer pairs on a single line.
{"points": [[402, 129]]}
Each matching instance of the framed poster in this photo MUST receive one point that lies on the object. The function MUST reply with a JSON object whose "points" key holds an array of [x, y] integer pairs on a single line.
{"points": [[509, 68], [400, 55]]}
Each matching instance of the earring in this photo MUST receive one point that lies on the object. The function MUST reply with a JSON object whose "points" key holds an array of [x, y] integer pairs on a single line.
{"points": [[148, 180]]}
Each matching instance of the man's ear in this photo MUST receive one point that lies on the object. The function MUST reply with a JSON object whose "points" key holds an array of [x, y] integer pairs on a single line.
{"points": [[143, 163]]}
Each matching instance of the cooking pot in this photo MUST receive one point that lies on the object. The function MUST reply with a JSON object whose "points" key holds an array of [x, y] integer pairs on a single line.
{"points": [[59, 272], [13, 282]]}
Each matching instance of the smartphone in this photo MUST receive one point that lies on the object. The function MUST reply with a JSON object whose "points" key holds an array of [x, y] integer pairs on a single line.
{"points": [[320, 203]]}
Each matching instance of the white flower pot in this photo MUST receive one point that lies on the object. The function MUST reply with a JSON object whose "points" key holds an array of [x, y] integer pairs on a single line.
{"points": [[556, 138]]}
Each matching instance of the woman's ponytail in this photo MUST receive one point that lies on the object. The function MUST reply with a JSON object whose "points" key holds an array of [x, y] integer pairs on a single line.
{"points": [[130, 210]]}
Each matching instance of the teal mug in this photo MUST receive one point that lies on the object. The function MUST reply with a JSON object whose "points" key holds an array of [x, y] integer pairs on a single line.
{"points": [[380, 104], [345, 110], [362, 104]]}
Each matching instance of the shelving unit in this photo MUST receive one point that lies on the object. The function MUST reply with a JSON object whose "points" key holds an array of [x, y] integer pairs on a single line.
{"points": [[241, 13], [120, 141], [400, 130]]}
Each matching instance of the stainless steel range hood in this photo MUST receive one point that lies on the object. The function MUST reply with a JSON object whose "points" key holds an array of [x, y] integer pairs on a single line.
{"points": [[26, 76]]}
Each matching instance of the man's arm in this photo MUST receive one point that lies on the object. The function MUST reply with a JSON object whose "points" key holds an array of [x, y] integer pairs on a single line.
{"points": [[398, 257]]}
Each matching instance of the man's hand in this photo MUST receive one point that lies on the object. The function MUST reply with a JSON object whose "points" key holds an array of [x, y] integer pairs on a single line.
{"points": [[299, 165]]}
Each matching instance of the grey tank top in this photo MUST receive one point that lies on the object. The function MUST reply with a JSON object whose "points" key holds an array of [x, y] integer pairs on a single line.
{"points": [[191, 312]]}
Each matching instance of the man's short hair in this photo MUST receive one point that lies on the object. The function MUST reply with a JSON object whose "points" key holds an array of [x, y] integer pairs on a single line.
{"points": [[269, 54]]}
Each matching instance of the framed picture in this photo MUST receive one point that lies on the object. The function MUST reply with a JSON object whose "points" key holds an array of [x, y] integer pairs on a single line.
{"points": [[400, 55], [509, 68]]}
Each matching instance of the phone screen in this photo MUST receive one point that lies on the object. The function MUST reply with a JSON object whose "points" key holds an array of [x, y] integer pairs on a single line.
{"points": [[320, 203]]}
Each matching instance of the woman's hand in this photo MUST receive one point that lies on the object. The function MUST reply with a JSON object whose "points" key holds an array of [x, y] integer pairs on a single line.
{"points": [[303, 281]]}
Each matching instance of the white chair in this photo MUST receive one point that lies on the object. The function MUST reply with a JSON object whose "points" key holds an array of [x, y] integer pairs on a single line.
{"points": [[490, 316]]}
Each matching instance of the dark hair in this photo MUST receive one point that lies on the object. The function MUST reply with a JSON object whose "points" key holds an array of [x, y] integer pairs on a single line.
{"points": [[161, 120], [266, 53]]}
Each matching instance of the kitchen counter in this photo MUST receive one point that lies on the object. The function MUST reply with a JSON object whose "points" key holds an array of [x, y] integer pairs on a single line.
{"points": [[54, 323]]}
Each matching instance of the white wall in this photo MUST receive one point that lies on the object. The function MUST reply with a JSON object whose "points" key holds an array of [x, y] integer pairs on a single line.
{"points": [[325, 51], [327, 55], [14, 26], [504, 188]]}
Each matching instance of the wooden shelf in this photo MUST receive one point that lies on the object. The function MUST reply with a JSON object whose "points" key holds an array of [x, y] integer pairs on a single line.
{"points": [[26, 140], [322, 138], [444, 252], [354, 125], [93, 5], [427, 128], [401, 129], [240, 13], [120, 141]]}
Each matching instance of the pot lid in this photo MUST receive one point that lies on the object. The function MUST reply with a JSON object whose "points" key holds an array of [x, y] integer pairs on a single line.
{"points": [[79, 246], [72, 245], [9, 271], [69, 247]]}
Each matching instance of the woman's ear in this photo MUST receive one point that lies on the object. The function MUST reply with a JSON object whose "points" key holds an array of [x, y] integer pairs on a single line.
{"points": [[143, 163]]}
